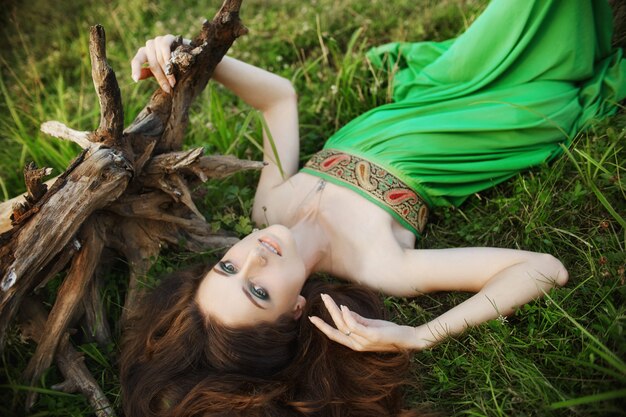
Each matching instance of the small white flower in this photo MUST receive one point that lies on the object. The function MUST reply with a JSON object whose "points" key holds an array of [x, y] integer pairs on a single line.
{"points": [[502, 319], [333, 89]]}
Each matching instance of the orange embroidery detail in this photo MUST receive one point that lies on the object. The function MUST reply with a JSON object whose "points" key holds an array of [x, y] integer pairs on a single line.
{"points": [[363, 174]]}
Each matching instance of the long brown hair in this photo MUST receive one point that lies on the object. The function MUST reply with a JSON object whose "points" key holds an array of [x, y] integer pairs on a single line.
{"points": [[176, 362]]}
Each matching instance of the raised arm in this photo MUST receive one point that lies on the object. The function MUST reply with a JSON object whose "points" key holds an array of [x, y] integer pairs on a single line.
{"points": [[272, 95], [503, 280]]}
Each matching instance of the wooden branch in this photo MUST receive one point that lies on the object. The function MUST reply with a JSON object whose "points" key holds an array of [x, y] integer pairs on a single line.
{"points": [[59, 130], [35, 192], [192, 162], [95, 314], [216, 38], [69, 297], [7, 208], [220, 166], [139, 242], [107, 89], [122, 193], [181, 193], [93, 184], [58, 264], [70, 362], [36, 189], [151, 120]]}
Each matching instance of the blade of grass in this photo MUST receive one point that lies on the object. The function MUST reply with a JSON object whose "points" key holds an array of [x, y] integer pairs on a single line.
{"points": [[611, 395], [601, 198]]}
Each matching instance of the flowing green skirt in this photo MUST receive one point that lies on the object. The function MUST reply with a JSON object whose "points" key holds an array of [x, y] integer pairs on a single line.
{"points": [[471, 112]]}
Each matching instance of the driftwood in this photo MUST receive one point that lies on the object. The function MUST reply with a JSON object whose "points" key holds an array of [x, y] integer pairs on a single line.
{"points": [[77, 377], [128, 191]]}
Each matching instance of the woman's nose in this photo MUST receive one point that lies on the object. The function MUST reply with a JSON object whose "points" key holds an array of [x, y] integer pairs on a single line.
{"points": [[256, 258]]}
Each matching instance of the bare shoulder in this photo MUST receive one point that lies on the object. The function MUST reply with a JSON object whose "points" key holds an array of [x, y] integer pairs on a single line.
{"points": [[365, 239]]}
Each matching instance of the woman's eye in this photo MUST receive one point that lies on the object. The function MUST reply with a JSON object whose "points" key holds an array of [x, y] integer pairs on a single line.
{"points": [[259, 292], [227, 267]]}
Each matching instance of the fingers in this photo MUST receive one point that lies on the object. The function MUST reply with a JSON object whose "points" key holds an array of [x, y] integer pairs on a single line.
{"points": [[166, 53], [136, 63], [350, 321], [156, 54], [155, 66], [347, 331], [360, 326], [332, 333], [335, 314]]}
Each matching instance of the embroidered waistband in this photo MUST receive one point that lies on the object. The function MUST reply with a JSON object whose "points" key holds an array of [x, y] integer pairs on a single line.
{"points": [[374, 180]]}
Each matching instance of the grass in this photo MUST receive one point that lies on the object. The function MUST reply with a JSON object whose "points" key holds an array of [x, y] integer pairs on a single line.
{"points": [[559, 356]]}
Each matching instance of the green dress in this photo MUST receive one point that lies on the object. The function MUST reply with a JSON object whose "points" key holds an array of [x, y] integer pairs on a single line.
{"points": [[471, 112]]}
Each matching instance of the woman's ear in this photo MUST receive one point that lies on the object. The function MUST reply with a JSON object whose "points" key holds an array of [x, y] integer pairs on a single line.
{"points": [[299, 307]]}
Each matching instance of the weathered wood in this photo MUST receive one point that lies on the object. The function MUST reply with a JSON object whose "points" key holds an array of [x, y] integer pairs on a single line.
{"points": [[220, 166], [107, 89], [35, 191], [204, 167], [151, 120], [7, 209], [100, 179], [128, 191], [59, 130], [69, 297], [70, 362], [60, 262], [95, 319], [214, 41]]}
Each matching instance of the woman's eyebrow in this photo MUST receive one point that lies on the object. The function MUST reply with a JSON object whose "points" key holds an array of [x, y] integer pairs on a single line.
{"points": [[252, 300]]}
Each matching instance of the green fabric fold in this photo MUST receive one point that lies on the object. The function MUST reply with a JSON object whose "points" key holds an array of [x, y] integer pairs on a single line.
{"points": [[471, 112]]}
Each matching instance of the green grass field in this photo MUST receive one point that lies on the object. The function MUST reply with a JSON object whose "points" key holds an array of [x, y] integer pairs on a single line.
{"points": [[560, 356]]}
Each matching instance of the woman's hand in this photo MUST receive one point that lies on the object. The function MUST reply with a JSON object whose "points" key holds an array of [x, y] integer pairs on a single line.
{"points": [[156, 54], [366, 335]]}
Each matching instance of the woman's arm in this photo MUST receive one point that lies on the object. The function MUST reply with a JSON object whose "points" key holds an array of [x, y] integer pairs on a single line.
{"points": [[272, 95], [504, 279], [276, 99]]}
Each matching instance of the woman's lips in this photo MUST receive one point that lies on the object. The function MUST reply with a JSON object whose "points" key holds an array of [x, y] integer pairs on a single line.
{"points": [[271, 245]]}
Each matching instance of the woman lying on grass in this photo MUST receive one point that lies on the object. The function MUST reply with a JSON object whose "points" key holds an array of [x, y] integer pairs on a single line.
{"points": [[252, 335]]}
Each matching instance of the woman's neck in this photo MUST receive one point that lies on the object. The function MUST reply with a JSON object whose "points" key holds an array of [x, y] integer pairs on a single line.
{"points": [[312, 241]]}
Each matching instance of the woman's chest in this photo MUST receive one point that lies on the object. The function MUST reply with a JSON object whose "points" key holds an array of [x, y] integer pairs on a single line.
{"points": [[359, 231]]}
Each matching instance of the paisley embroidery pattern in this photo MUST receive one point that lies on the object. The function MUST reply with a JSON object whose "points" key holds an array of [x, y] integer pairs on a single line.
{"points": [[376, 181], [364, 176]]}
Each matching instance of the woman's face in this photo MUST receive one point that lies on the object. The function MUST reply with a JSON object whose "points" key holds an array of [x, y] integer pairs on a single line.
{"points": [[258, 280]]}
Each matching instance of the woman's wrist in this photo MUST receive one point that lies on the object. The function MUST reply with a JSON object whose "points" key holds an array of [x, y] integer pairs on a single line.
{"points": [[420, 338]]}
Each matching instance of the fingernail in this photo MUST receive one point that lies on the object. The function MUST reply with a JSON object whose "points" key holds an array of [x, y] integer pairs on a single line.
{"points": [[166, 88], [135, 77]]}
